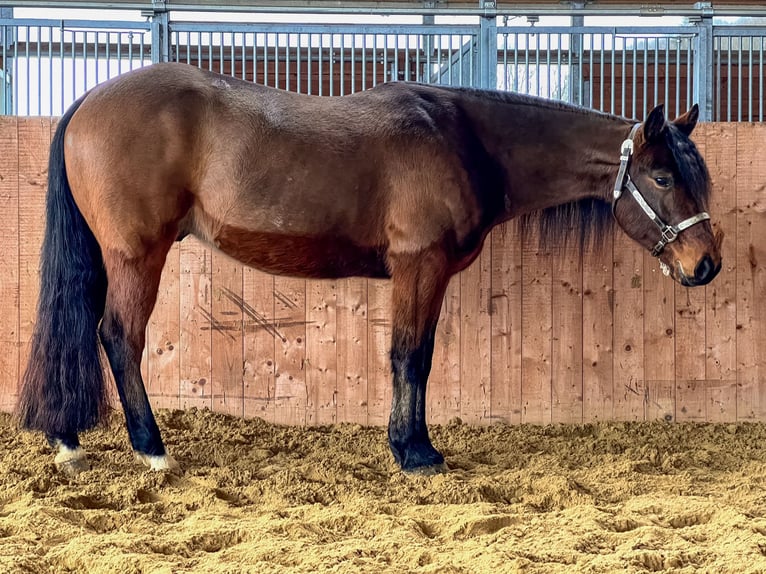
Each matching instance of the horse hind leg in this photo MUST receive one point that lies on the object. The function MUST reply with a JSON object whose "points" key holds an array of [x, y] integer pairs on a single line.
{"points": [[419, 283], [130, 298]]}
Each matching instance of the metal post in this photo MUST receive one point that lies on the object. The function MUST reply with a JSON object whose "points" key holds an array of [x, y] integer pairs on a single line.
{"points": [[703, 62], [160, 31], [575, 65], [487, 49]]}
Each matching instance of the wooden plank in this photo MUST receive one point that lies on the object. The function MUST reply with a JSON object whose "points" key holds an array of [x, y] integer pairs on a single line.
{"points": [[751, 273], [226, 320], [163, 338], [536, 327], [9, 262], [443, 393], [290, 390], [34, 143], [378, 351], [629, 382], [475, 336], [260, 338], [195, 336], [721, 294], [659, 342], [352, 347], [321, 352], [506, 324], [691, 386], [598, 332], [567, 336]]}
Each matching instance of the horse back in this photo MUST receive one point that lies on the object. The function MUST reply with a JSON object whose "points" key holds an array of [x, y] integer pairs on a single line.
{"points": [[171, 150]]}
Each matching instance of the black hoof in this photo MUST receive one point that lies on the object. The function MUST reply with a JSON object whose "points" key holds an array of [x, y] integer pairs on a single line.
{"points": [[419, 458]]}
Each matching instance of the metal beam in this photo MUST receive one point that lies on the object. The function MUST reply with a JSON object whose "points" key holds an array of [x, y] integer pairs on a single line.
{"points": [[456, 7]]}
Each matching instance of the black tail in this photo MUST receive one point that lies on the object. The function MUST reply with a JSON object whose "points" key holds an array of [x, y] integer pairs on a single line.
{"points": [[63, 391]]}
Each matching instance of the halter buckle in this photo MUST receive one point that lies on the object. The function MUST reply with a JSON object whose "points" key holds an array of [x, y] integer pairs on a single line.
{"points": [[669, 234]]}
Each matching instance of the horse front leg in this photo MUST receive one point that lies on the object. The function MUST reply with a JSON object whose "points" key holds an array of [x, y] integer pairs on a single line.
{"points": [[419, 283]]}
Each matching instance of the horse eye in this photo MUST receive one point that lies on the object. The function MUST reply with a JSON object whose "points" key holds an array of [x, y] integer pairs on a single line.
{"points": [[663, 181]]}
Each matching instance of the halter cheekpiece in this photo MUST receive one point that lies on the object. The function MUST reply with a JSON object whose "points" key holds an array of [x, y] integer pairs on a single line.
{"points": [[668, 233]]}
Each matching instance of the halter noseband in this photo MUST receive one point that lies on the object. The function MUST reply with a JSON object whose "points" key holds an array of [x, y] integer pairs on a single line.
{"points": [[668, 233]]}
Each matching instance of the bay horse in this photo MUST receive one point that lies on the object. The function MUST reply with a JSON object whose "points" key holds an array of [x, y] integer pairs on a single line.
{"points": [[403, 181]]}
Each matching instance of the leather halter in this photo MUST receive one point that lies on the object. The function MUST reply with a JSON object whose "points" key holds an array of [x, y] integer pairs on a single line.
{"points": [[668, 233]]}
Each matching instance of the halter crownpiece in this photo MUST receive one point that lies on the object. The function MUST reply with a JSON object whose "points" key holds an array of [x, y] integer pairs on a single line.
{"points": [[668, 233]]}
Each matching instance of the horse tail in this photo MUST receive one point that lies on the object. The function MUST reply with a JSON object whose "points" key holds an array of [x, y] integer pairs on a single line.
{"points": [[63, 390]]}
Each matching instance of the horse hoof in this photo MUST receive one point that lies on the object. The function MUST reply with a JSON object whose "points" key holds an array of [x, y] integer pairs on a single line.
{"points": [[430, 470], [155, 462], [71, 461]]}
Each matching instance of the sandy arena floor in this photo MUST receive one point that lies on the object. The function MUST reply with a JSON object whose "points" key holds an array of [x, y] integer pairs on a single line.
{"points": [[258, 498]]}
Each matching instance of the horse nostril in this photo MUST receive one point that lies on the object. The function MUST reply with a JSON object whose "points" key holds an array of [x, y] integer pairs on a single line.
{"points": [[705, 271]]}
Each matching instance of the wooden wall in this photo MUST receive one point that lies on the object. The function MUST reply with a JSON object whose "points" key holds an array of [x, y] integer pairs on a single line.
{"points": [[525, 336]]}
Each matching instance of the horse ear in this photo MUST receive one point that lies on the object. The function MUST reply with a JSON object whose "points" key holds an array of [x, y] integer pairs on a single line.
{"points": [[686, 122], [654, 124]]}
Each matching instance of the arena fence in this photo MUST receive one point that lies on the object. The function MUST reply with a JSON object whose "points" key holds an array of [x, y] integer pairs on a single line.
{"points": [[46, 64], [525, 335]]}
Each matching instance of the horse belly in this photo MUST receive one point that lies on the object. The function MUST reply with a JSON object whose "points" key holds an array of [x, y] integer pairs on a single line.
{"points": [[322, 257]]}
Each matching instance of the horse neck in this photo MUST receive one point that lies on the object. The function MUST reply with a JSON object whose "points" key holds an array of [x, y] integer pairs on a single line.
{"points": [[551, 155]]}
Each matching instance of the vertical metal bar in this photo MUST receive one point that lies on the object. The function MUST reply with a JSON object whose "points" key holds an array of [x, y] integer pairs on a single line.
{"points": [[624, 111], [353, 63], [689, 75], [717, 54], [667, 71], [703, 67], [298, 65], [526, 64], [635, 63], [601, 80], [515, 62], [548, 64], [73, 62], [364, 61], [321, 64], [27, 35], [728, 75], [309, 59], [506, 82], [612, 81], [374, 60], [760, 79], [739, 78], [276, 60], [407, 57], [657, 72], [331, 62], [50, 69], [287, 63], [579, 80], [750, 79], [678, 76], [386, 78], [645, 76], [232, 54], [266, 67], [39, 72], [537, 65], [590, 70]]}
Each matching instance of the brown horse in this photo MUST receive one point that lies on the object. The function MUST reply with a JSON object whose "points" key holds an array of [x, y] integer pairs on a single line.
{"points": [[403, 181]]}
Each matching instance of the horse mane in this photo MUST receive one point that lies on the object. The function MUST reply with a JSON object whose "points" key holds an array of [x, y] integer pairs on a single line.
{"points": [[587, 222]]}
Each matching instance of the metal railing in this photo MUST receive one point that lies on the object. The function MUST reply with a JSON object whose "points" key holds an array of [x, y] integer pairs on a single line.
{"points": [[47, 64]]}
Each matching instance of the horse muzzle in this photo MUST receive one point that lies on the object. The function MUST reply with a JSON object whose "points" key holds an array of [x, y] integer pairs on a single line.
{"points": [[704, 272]]}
